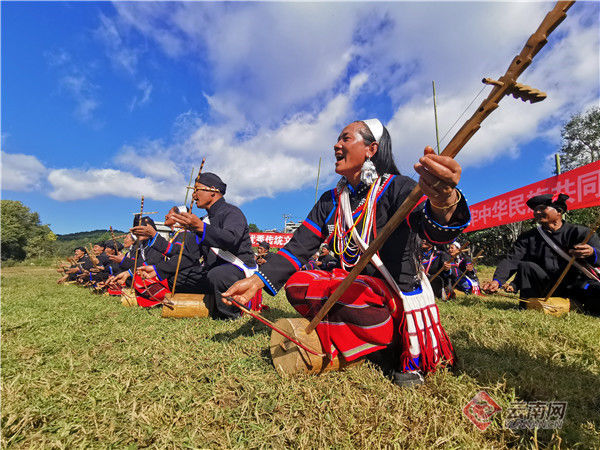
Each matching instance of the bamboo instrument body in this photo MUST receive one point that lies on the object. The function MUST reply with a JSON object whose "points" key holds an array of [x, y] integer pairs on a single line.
{"points": [[128, 297], [553, 306], [289, 359], [180, 306]]}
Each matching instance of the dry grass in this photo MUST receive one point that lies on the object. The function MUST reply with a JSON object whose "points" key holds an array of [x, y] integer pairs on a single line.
{"points": [[80, 370]]}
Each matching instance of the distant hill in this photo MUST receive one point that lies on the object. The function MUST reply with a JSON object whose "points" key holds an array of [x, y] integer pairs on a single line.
{"points": [[66, 243], [95, 234]]}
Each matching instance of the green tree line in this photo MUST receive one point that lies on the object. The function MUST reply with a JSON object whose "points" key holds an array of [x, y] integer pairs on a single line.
{"points": [[23, 236]]}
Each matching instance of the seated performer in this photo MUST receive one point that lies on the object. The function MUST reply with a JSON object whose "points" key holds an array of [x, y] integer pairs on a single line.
{"points": [[432, 260], [117, 259], [541, 254], [82, 264], [372, 313], [159, 278], [326, 261], [142, 253], [99, 251], [459, 267], [224, 242], [262, 253], [107, 267]]}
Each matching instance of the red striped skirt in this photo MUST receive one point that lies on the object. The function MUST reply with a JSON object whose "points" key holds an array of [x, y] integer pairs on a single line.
{"points": [[368, 317], [151, 291]]}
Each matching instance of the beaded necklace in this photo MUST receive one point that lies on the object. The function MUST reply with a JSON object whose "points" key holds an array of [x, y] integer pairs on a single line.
{"points": [[344, 244]]}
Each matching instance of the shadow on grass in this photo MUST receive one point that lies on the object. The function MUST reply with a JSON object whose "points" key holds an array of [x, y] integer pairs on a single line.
{"points": [[274, 314], [536, 378], [250, 328], [473, 300]]}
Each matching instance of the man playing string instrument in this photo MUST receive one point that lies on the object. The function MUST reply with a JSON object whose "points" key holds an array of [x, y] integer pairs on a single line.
{"points": [[82, 264], [371, 315], [222, 239], [141, 254], [540, 255]]}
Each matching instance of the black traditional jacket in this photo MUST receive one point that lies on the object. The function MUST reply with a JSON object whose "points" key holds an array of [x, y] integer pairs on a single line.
{"points": [[433, 260], [458, 267], [190, 270], [227, 230], [400, 251], [530, 246], [147, 255]]}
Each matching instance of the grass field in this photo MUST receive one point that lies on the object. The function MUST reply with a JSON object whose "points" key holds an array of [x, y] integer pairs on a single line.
{"points": [[81, 370]]}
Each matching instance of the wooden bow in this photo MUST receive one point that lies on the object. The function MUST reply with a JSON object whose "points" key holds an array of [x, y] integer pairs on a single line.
{"points": [[137, 250], [506, 85]]}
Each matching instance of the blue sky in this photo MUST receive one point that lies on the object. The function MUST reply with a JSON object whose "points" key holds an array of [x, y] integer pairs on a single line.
{"points": [[104, 102]]}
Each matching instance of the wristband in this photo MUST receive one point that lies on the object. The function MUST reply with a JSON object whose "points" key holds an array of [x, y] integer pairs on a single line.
{"points": [[449, 206]]}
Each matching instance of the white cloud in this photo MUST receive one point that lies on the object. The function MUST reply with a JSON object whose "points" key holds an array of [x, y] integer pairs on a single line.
{"points": [[121, 55], [265, 59], [148, 159], [140, 100], [70, 184], [75, 82], [21, 172], [568, 72], [83, 93]]}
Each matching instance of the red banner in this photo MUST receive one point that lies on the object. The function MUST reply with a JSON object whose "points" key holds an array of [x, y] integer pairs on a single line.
{"points": [[274, 239], [582, 185]]}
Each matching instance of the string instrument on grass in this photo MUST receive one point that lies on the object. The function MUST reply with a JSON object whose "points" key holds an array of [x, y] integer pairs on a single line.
{"points": [[505, 85], [184, 305]]}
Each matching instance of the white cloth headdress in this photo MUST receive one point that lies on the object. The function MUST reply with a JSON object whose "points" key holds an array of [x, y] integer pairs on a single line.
{"points": [[376, 128]]}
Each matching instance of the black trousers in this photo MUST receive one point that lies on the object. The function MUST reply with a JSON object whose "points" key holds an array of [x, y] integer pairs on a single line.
{"points": [[533, 281], [217, 280], [437, 285]]}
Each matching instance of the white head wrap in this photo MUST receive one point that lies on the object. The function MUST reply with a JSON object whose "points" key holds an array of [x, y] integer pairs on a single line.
{"points": [[456, 244], [375, 127]]}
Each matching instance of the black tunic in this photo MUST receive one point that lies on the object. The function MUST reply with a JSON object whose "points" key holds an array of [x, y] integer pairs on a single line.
{"points": [[228, 230], [433, 260], [190, 271], [147, 255], [399, 253]]}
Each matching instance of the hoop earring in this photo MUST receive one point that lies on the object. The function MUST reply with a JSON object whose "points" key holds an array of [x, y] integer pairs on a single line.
{"points": [[368, 173]]}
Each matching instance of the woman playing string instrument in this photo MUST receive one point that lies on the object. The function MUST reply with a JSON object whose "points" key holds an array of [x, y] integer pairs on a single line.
{"points": [[373, 314]]}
